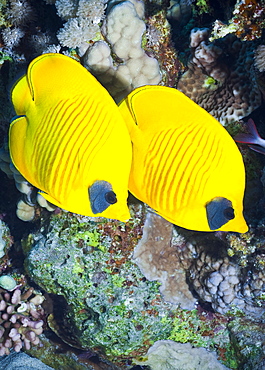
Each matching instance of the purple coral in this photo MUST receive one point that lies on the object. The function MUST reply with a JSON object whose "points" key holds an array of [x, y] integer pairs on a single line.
{"points": [[20, 319]]}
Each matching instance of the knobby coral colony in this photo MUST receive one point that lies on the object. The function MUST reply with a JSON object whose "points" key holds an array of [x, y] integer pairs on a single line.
{"points": [[20, 319]]}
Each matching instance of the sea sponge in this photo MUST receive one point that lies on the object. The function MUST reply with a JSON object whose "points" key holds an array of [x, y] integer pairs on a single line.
{"points": [[123, 29], [221, 76]]}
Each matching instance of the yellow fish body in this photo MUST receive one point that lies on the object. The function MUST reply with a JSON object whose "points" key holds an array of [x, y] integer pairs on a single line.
{"points": [[185, 165], [69, 139]]}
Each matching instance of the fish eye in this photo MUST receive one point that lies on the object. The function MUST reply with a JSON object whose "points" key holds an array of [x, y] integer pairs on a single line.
{"points": [[219, 211], [101, 196], [110, 197], [229, 213]]}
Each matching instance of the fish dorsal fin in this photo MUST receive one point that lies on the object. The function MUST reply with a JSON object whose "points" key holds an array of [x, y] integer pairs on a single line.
{"points": [[164, 107], [55, 74]]}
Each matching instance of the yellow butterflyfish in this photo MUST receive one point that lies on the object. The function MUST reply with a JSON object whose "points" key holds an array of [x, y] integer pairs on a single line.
{"points": [[69, 139], [185, 164]]}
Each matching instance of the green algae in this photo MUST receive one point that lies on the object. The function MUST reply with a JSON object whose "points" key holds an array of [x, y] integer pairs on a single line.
{"points": [[110, 305], [106, 304], [3, 18]]}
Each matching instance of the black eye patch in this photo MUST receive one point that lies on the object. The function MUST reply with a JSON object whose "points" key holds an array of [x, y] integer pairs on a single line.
{"points": [[110, 197], [101, 196], [219, 211]]}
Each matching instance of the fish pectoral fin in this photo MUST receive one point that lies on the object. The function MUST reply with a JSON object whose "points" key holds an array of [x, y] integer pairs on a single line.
{"points": [[17, 134], [21, 96]]}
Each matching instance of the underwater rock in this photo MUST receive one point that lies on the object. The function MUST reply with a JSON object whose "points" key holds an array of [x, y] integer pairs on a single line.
{"points": [[107, 302], [168, 355], [102, 302], [158, 260], [22, 361], [248, 339], [221, 76], [180, 11], [5, 242]]}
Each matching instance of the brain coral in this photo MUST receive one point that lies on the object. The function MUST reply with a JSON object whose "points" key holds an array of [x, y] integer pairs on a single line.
{"points": [[221, 76]]}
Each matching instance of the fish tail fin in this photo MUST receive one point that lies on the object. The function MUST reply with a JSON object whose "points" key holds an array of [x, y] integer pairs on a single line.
{"points": [[253, 138]]}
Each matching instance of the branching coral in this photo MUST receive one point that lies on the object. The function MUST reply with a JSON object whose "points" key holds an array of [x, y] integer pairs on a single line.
{"points": [[20, 319], [82, 26], [20, 12]]}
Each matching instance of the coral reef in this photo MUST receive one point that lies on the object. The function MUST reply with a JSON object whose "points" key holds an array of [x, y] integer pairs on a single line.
{"points": [[21, 320], [181, 264], [22, 361], [108, 305], [220, 280], [5, 243], [82, 22], [123, 29], [247, 22], [158, 260], [221, 76], [102, 302], [248, 338]]}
